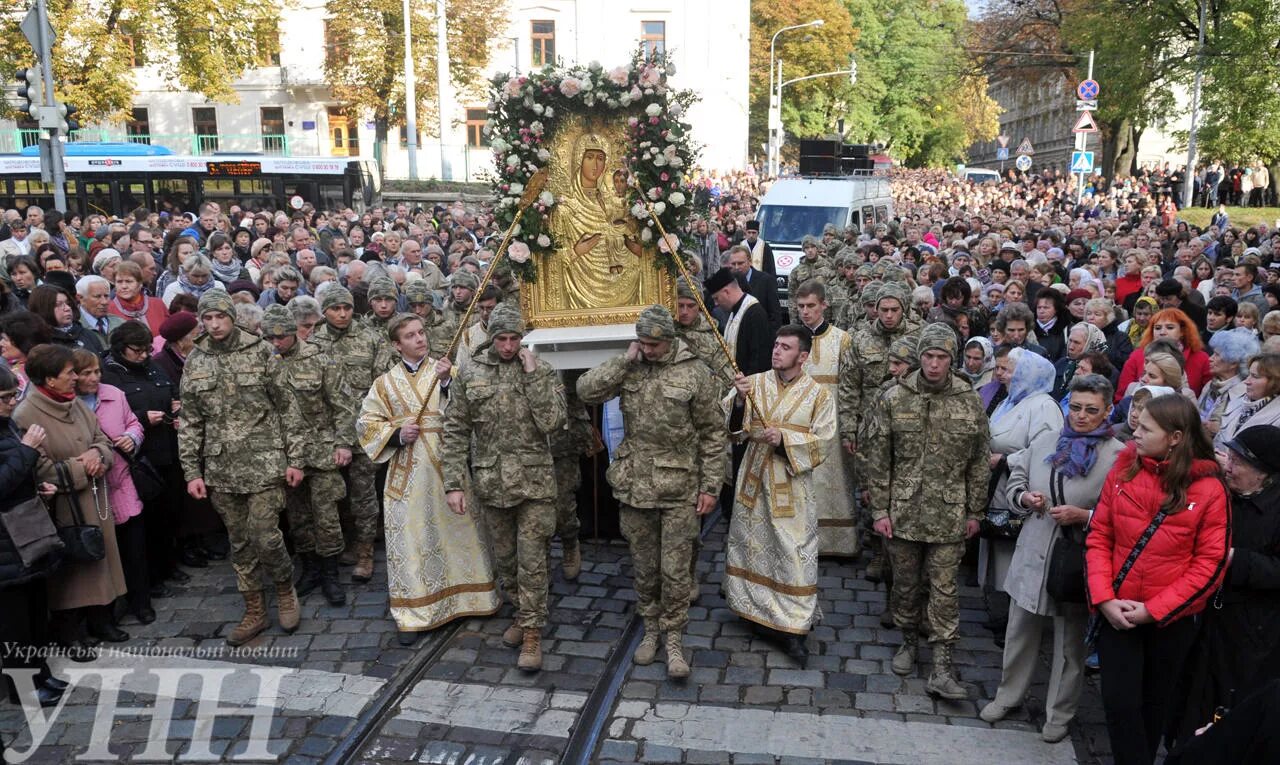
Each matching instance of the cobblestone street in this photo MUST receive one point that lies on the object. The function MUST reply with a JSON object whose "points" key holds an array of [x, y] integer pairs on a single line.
{"points": [[353, 694]]}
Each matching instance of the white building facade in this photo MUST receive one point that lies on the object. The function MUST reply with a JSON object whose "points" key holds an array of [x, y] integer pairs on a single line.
{"points": [[286, 107]]}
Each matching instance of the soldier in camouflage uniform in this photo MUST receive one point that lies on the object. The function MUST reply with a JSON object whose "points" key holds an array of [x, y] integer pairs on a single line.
{"points": [[509, 403], [699, 336], [831, 242], [383, 298], [666, 472], [568, 446], [837, 290], [812, 265], [312, 506], [462, 287], [926, 452], [236, 449], [421, 299], [361, 359], [869, 296]]}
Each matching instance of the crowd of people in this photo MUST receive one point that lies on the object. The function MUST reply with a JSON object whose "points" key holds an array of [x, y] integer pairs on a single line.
{"points": [[1080, 397]]}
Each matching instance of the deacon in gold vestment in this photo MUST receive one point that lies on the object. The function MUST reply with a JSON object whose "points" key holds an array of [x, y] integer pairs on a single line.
{"points": [[771, 566], [438, 563], [833, 479]]}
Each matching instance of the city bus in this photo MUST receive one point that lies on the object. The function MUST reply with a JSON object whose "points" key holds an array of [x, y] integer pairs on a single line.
{"points": [[116, 178]]}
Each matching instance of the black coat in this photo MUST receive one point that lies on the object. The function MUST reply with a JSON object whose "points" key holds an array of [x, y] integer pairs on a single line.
{"points": [[147, 388], [17, 485], [1238, 648], [78, 336], [764, 288], [754, 351]]}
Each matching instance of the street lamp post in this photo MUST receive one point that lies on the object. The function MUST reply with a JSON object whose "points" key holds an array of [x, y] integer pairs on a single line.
{"points": [[775, 113]]}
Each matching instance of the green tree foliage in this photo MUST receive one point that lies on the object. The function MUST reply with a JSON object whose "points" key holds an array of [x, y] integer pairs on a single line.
{"points": [[197, 45], [1241, 99]]}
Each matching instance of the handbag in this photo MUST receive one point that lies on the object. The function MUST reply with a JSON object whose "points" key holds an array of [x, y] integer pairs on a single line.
{"points": [[31, 530], [1065, 581], [146, 479], [999, 523], [84, 543]]}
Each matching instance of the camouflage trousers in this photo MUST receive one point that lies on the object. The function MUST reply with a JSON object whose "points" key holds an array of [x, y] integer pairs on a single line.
{"points": [[312, 510], [661, 542], [253, 524], [568, 479], [362, 514], [939, 563], [520, 536]]}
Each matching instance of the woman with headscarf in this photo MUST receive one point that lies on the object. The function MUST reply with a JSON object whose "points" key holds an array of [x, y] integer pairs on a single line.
{"points": [[1055, 484], [1082, 339], [1025, 413], [979, 361]]}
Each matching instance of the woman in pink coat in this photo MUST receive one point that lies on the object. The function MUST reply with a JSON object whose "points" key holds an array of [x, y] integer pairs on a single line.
{"points": [[125, 433]]}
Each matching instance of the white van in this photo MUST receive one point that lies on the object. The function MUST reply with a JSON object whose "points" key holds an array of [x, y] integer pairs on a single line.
{"points": [[979, 175], [794, 207]]}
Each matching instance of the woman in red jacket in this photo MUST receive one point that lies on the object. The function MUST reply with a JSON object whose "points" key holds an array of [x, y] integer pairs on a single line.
{"points": [[1156, 552], [1169, 324]]}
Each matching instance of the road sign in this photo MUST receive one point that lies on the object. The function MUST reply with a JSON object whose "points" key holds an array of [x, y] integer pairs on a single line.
{"points": [[1023, 163], [1085, 124], [1002, 153], [1087, 106], [30, 27], [1025, 147], [1082, 162], [1087, 90], [1003, 140]]}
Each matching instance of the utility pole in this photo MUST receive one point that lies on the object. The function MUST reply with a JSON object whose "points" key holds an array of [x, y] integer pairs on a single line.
{"points": [[1082, 143], [1188, 183], [410, 97], [39, 32], [442, 88]]}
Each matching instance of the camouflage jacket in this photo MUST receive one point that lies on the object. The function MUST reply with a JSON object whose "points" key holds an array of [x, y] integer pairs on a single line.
{"points": [[864, 365], [673, 443], [387, 355], [317, 413], [578, 434], [453, 313], [701, 339], [819, 269], [837, 299], [232, 433], [926, 459], [361, 359], [849, 316], [512, 413], [439, 334]]}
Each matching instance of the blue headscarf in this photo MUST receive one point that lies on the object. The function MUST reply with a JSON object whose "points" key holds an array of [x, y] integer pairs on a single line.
{"points": [[1032, 374]]}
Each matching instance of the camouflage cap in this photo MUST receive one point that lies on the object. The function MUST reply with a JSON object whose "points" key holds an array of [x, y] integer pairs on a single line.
{"points": [[938, 336], [505, 318], [829, 228], [464, 278], [216, 300], [877, 269], [655, 323], [336, 295], [904, 348], [683, 290], [871, 292], [417, 291], [383, 288], [895, 291], [808, 240], [278, 320], [865, 271], [894, 273]]}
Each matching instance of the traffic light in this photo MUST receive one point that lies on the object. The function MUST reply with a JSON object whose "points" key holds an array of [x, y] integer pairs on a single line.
{"points": [[66, 116], [30, 91]]}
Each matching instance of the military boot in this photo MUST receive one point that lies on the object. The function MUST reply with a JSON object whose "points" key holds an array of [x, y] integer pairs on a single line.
{"points": [[886, 618], [677, 667], [329, 583], [904, 661], [363, 571], [254, 620], [875, 569], [531, 650], [648, 648], [287, 607], [942, 681], [513, 636], [571, 565], [308, 574]]}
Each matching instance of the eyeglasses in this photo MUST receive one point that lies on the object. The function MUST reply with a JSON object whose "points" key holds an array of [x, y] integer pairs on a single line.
{"points": [[6, 398], [141, 350], [1092, 411]]}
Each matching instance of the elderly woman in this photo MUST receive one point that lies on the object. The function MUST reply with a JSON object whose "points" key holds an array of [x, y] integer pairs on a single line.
{"points": [[120, 425], [132, 302], [1055, 483], [1082, 339], [979, 361], [1025, 413], [59, 311], [1236, 651], [1131, 330], [1258, 406], [195, 277], [182, 248], [75, 458], [106, 262], [1229, 364]]}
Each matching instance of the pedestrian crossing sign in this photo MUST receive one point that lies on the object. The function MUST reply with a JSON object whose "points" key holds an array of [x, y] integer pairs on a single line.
{"points": [[1002, 153], [1082, 162], [1025, 147]]}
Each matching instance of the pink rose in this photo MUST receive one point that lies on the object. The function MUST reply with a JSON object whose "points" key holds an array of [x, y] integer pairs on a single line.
{"points": [[669, 244], [649, 76], [620, 76], [570, 87], [518, 252]]}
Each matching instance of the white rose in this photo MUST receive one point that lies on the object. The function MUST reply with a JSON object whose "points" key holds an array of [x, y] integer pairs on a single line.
{"points": [[515, 231], [646, 234], [653, 110], [659, 161], [536, 127], [676, 198], [517, 188], [676, 162], [537, 108], [550, 113], [543, 155], [638, 211], [625, 99], [544, 241], [518, 252], [513, 161], [499, 145], [659, 208], [546, 198]]}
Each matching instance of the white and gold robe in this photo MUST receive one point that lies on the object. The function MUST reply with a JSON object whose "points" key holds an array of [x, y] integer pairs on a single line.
{"points": [[833, 479], [771, 565], [472, 338], [439, 566]]}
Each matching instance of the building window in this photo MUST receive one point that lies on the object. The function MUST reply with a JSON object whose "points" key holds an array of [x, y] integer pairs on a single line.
{"points": [[338, 118], [404, 137], [476, 117], [204, 119], [266, 41], [335, 49], [138, 126], [653, 37], [543, 42], [273, 138], [132, 40]]}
